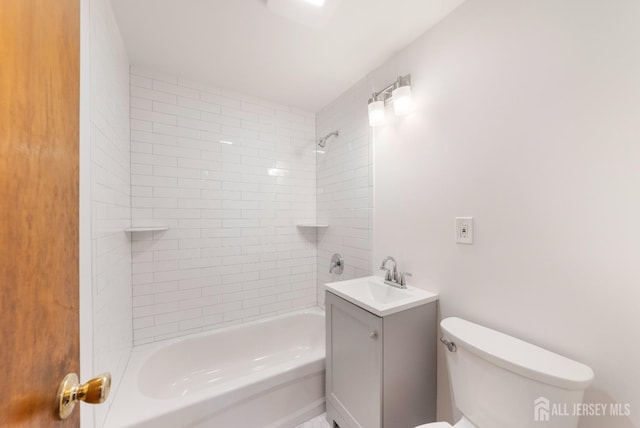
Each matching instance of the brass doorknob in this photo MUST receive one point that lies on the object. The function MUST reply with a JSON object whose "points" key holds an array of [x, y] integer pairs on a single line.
{"points": [[70, 392]]}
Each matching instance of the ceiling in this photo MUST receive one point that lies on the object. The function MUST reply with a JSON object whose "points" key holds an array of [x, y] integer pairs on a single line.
{"points": [[242, 46]]}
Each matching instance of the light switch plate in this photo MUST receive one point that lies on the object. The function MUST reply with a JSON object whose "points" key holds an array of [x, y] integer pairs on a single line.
{"points": [[464, 230]]}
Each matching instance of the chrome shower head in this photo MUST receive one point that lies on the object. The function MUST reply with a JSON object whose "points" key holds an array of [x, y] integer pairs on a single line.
{"points": [[323, 141]]}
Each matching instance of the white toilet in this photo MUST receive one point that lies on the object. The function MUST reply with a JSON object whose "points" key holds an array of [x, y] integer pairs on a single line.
{"points": [[499, 381]]}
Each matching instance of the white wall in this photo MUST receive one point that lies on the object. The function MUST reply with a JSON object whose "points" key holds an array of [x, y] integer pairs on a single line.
{"points": [[233, 252], [345, 187], [84, 236], [110, 195], [527, 119]]}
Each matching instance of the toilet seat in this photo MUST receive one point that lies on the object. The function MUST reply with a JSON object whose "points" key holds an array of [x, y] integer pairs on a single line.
{"points": [[462, 423]]}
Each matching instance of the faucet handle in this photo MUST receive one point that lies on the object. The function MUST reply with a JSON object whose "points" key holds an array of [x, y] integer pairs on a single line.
{"points": [[387, 273], [337, 264], [402, 275]]}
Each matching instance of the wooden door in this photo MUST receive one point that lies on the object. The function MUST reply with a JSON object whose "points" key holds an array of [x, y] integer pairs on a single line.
{"points": [[39, 138]]}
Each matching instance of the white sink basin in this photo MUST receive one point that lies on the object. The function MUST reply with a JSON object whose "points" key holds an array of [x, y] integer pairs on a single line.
{"points": [[373, 295]]}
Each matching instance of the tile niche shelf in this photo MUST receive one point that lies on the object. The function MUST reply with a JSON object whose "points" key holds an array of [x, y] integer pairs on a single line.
{"points": [[316, 225], [146, 229]]}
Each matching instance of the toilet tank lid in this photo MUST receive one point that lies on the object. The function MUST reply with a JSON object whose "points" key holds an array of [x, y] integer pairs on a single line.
{"points": [[517, 355]]}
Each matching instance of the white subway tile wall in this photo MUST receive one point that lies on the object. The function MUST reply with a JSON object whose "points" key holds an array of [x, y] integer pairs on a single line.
{"points": [[110, 198], [345, 187], [231, 175]]}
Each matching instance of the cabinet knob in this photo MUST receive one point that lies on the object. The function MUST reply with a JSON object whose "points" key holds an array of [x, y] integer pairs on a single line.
{"points": [[374, 334]]}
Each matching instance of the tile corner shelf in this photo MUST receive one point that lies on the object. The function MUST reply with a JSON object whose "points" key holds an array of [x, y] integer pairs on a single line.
{"points": [[316, 225], [146, 229]]}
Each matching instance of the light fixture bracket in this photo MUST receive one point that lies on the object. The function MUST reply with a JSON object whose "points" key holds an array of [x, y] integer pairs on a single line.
{"points": [[385, 95]]}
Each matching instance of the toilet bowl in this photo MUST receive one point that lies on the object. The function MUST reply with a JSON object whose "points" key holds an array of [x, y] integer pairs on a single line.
{"points": [[499, 381]]}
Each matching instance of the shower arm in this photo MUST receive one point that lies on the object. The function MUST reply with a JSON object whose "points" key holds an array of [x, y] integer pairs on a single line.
{"points": [[324, 139]]}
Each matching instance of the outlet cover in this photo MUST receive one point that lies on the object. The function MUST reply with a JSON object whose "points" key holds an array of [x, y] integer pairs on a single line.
{"points": [[464, 230]]}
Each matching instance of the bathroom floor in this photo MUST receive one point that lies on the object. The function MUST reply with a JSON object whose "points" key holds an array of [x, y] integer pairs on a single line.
{"points": [[317, 422]]}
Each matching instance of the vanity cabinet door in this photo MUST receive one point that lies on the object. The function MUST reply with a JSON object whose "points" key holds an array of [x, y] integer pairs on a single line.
{"points": [[354, 363]]}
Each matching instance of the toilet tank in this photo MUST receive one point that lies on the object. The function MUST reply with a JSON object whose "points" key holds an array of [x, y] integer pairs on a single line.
{"points": [[499, 381]]}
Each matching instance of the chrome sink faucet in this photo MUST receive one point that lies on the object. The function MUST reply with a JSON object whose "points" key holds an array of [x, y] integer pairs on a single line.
{"points": [[391, 276]]}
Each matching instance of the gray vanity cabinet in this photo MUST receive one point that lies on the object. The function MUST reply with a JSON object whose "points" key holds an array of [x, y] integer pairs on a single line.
{"points": [[380, 372]]}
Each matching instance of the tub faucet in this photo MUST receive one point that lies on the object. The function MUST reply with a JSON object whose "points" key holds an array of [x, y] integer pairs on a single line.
{"points": [[391, 276]]}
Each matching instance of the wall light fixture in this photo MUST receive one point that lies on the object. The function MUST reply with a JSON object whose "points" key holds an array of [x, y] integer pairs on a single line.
{"points": [[399, 92]]}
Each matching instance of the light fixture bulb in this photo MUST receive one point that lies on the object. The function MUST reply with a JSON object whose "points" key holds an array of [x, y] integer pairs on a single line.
{"points": [[376, 113], [402, 100]]}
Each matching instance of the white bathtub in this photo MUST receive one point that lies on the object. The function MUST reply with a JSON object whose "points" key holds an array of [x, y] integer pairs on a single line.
{"points": [[268, 373]]}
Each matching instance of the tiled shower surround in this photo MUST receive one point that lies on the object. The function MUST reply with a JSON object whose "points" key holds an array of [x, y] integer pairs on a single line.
{"points": [[345, 187], [231, 176]]}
